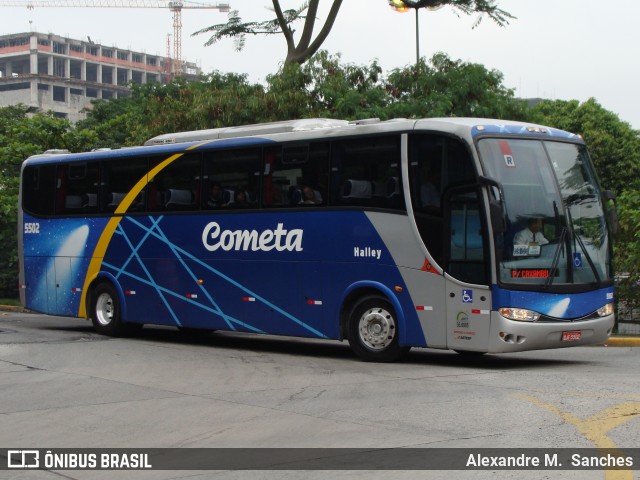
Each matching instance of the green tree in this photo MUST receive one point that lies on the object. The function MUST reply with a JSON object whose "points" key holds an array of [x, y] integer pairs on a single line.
{"points": [[152, 109], [452, 88], [613, 144], [326, 87], [21, 136], [307, 46], [627, 253]]}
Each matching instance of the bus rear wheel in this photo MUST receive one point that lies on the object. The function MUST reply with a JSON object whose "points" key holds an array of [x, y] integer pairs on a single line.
{"points": [[372, 331], [105, 312]]}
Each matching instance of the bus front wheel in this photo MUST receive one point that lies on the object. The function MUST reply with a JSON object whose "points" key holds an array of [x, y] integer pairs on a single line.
{"points": [[372, 331], [105, 311]]}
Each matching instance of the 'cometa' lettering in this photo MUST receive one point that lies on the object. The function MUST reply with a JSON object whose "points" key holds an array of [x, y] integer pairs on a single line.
{"points": [[280, 239]]}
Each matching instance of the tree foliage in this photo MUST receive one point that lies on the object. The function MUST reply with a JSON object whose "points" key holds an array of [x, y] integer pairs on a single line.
{"points": [[627, 253], [21, 136], [613, 144], [301, 50]]}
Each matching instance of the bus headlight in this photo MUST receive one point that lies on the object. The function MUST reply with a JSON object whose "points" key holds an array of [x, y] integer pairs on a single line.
{"points": [[606, 310], [520, 314]]}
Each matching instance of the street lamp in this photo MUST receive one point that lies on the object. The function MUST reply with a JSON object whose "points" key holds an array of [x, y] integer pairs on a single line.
{"points": [[405, 5]]}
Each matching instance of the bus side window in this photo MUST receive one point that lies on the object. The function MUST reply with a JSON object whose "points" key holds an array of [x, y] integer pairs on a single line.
{"points": [[466, 259], [296, 175], [38, 191], [436, 163], [231, 179], [366, 173], [118, 178], [177, 186]]}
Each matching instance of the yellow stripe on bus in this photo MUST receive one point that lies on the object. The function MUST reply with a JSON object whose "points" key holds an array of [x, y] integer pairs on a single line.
{"points": [[107, 233]]}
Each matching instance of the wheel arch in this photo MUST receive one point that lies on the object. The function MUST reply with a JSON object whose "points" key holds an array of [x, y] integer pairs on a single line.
{"points": [[360, 290], [106, 277]]}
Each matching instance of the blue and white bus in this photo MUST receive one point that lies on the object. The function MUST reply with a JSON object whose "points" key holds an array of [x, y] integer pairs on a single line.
{"points": [[391, 235]]}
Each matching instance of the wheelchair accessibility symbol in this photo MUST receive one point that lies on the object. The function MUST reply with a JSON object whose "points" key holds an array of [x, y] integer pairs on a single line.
{"points": [[577, 259], [467, 296]]}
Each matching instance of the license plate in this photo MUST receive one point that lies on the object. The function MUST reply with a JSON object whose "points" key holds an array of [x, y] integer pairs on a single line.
{"points": [[571, 336]]}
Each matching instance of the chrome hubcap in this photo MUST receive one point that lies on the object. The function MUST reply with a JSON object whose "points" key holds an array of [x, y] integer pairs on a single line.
{"points": [[104, 309], [377, 328]]}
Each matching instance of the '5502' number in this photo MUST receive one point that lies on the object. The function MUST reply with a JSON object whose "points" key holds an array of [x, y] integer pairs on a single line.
{"points": [[31, 228]]}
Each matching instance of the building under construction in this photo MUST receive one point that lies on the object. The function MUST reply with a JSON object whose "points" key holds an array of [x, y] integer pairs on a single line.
{"points": [[49, 72]]}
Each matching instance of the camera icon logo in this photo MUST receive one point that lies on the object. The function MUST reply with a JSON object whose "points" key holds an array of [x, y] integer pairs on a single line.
{"points": [[23, 459]]}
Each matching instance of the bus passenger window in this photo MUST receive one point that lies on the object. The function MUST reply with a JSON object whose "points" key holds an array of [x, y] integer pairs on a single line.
{"points": [[296, 175], [118, 179], [38, 189], [366, 173], [231, 179], [77, 188], [177, 186]]}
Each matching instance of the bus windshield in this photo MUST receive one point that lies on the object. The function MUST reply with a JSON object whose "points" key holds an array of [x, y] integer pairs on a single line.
{"points": [[556, 232]]}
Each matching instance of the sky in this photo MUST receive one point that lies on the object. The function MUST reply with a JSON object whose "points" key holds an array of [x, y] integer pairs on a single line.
{"points": [[555, 49]]}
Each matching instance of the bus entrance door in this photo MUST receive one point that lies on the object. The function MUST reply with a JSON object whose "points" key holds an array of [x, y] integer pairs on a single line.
{"points": [[468, 299]]}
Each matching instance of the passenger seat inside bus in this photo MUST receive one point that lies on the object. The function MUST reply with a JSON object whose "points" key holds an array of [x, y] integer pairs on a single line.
{"points": [[178, 199], [357, 189]]}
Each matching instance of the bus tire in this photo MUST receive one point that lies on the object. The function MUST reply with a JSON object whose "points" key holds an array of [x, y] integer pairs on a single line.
{"points": [[372, 331], [105, 311]]}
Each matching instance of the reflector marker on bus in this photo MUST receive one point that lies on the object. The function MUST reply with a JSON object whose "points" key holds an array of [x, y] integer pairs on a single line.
{"points": [[129, 292], [22, 287], [479, 312], [428, 267], [191, 295], [76, 290], [314, 302], [248, 299], [421, 308]]}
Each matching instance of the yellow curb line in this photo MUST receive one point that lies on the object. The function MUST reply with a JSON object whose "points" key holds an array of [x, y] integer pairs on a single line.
{"points": [[623, 342]]}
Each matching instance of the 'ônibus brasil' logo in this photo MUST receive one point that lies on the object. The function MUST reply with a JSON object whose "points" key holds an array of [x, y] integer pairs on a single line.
{"points": [[280, 239]]}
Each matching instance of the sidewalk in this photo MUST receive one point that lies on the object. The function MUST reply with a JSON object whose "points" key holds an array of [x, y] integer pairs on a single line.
{"points": [[614, 340]]}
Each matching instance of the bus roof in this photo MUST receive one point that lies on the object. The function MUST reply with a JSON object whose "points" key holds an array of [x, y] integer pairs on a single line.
{"points": [[290, 130], [462, 126]]}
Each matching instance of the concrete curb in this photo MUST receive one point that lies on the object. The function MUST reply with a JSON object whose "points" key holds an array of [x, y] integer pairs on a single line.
{"points": [[12, 308], [623, 342]]}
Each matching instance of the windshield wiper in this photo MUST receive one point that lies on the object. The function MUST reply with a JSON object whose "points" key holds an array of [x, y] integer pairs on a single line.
{"points": [[556, 258], [588, 257], [576, 236]]}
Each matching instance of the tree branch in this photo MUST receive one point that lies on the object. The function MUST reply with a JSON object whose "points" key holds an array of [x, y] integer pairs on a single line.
{"points": [[302, 55], [284, 26]]}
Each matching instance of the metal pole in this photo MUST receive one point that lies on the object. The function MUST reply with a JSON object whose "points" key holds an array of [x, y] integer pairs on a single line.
{"points": [[417, 39]]}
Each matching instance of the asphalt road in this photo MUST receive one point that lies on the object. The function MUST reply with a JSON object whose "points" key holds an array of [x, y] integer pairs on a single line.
{"points": [[64, 386]]}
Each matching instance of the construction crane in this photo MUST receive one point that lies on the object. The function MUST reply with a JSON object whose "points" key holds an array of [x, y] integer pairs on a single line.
{"points": [[176, 7]]}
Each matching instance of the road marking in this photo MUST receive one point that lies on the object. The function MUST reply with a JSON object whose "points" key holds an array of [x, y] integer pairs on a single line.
{"points": [[595, 427]]}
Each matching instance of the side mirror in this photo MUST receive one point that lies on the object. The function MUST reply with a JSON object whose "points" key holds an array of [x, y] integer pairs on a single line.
{"points": [[496, 206], [611, 212], [496, 213]]}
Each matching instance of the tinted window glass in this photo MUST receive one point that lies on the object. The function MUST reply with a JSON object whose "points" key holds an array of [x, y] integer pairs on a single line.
{"points": [[177, 186], [77, 188], [118, 178], [296, 175], [38, 187], [231, 179], [366, 172]]}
